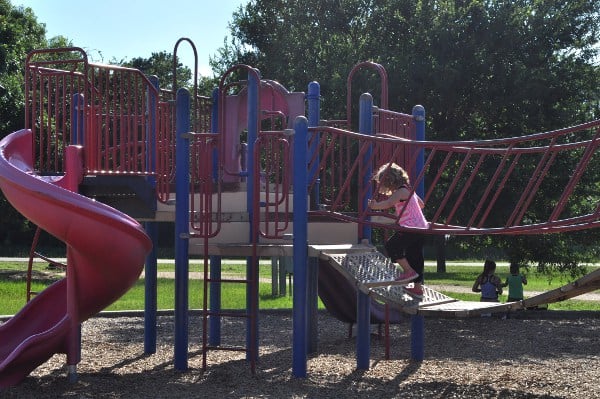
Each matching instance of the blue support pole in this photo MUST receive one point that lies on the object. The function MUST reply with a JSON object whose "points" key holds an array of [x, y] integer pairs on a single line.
{"points": [[417, 332], [182, 180], [78, 117], [251, 263], [77, 138], [252, 136], [150, 295], [363, 333], [300, 246], [365, 126], [150, 280], [363, 316], [314, 117], [418, 113], [214, 322]]}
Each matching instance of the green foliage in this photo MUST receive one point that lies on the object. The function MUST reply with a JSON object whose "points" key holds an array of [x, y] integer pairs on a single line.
{"points": [[482, 69], [161, 65], [20, 33]]}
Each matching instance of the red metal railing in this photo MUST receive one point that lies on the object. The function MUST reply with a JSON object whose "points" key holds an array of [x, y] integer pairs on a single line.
{"points": [[205, 188], [165, 150], [395, 124], [117, 137], [165, 140], [50, 89], [273, 183], [523, 185], [113, 102], [112, 110]]}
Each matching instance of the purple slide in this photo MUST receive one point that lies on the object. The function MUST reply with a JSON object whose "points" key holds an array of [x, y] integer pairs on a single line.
{"points": [[106, 250]]}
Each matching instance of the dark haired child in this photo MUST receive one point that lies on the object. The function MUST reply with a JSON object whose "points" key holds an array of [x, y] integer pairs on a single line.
{"points": [[515, 282], [488, 283]]}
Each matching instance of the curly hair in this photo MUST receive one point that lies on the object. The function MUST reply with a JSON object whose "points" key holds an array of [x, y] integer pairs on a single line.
{"points": [[390, 177]]}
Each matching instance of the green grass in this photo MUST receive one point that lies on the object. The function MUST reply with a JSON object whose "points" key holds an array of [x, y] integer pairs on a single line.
{"points": [[464, 276], [13, 292], [234, 296]]}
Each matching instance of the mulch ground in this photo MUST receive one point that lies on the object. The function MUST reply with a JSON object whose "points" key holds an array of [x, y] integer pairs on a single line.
{"points": [[536, 354]]}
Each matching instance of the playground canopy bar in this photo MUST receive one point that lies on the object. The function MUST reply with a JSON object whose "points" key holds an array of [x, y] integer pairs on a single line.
{"points": [[532, 184]]}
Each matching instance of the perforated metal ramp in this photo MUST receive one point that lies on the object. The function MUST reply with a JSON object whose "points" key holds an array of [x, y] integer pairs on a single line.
{"points": [[373, 273]]}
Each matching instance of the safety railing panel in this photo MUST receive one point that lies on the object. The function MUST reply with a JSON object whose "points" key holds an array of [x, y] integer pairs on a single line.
{"points": [[398, 125], [523, 185], [272, 194], [118, 137], [205, 185], [52, 90], [201, 120], [107, 109], [165, 151], [334, 158]]}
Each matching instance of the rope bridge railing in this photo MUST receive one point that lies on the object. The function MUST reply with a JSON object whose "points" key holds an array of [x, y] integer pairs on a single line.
{"points": [[541, 183]]}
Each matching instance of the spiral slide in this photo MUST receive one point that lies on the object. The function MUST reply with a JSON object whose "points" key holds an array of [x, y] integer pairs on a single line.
{"points": [[106, 250]]}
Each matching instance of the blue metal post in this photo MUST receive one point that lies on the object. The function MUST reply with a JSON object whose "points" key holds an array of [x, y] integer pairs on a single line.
{"points": [[300, 245], [182, 180], [78, 116], [251, 295], [77, 138], [252, 136], [214, 322], [150, 295], [314, 117], [417, 332], [365, 126], [363, 333], [150, 280], [363, 316], [418, 113]]}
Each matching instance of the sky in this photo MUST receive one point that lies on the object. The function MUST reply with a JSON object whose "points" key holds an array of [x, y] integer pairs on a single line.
{"points": [[126, 29]]}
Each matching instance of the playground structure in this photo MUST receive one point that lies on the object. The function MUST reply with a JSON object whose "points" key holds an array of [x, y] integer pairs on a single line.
{"points": [[297, 187]]}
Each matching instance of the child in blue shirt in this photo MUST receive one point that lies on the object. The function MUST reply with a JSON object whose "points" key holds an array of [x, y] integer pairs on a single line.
{"points": [[488, 283]]}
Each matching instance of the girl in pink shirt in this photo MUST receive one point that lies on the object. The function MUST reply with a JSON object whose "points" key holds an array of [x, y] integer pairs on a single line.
{"points": [[404, 248]]}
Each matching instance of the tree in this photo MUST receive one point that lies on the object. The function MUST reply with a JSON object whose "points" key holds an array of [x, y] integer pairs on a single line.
{"points": [[20, 33], [483, 69], [474, 64], [161, 65]]}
